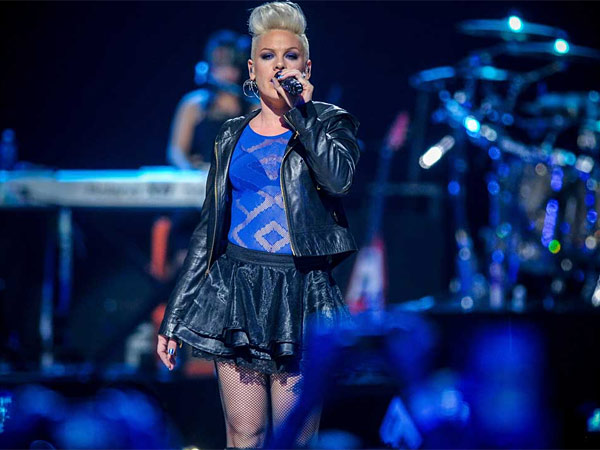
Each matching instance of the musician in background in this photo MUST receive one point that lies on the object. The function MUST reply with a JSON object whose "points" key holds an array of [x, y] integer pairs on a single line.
{"points": [[198, 117]]}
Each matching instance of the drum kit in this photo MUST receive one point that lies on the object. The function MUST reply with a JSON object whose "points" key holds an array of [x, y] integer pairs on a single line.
{"points": [[540, 149]]}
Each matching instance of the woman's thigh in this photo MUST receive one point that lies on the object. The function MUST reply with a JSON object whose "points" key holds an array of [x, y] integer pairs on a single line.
{"points": [[244, 397]]}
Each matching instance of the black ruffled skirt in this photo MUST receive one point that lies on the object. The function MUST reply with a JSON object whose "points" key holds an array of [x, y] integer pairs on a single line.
{"points": [[255, 309]]}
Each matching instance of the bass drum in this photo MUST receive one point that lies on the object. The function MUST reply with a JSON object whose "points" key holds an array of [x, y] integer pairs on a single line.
{"points": [[558, 205]]}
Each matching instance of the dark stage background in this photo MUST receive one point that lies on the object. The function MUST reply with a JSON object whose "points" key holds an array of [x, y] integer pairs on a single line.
{"points": [[95, 84]]}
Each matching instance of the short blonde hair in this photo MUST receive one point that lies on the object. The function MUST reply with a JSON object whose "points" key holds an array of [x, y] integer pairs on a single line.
{"points": [[277, 16]]}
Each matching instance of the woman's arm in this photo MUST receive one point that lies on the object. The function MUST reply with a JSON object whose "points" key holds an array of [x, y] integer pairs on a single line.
{"points": [[332, 150], [187, 115], [194, 265]]}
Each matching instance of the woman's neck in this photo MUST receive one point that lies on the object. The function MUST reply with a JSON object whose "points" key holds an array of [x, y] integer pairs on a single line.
{"points": [[270, 116]]}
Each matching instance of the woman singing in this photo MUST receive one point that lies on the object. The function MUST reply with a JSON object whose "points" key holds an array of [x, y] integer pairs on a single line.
{"points": [[272, 228]]}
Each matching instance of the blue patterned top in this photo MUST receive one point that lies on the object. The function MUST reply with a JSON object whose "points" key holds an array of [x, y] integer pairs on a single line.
{"points": [[258, 219]]}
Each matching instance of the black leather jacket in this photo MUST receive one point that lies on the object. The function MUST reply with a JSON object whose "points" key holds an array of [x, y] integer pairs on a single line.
{"points": [[317, 170]]}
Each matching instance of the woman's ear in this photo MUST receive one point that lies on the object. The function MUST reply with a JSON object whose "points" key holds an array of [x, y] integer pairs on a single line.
{"points": [[250, 68]]}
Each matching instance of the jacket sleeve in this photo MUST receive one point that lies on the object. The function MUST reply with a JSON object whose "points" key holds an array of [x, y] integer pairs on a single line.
{"points": [[332, 150], [194, 265]]}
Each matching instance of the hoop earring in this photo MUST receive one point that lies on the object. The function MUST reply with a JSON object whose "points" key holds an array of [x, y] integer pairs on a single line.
{"points": [[252, 86]]}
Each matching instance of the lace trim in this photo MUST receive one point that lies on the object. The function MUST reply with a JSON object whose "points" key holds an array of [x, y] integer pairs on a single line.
{"points": [[283, 365]]}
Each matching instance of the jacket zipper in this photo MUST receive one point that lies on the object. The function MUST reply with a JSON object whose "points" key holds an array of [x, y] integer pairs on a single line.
{"points": [[216, 211], [283, 193]]}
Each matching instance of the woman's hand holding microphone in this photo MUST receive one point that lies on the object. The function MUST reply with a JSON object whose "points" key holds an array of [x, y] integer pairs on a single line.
{"points": [[293, 100]]}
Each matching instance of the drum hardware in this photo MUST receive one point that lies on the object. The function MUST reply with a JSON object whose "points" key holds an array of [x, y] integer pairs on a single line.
{"points": [[542, 181], [513, 28]]}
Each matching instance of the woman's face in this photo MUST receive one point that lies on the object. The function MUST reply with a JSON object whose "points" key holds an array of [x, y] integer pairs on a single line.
{"points": [[276, 50], [221, 66]]}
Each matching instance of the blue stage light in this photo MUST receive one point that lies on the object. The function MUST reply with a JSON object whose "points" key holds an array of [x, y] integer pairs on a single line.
{"points": [[593, 423], [494, 152], [471, 124], [435, 152], [561, 46], [556, 179], [503, 170], [592, 216], [498, 256], [202, 68], [466, 302], [430, 157], [444, 95], [515, 23], [507, 119], [201, 72], [493, 187], [453, 188], [503, 230], [549, 222], [590, 199]]}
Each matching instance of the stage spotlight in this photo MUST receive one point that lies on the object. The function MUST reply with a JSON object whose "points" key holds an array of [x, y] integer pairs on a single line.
{"points": [[584, 164], [433, 155], [593, 423], [596, 297], [515, 23], [201, 72], [430, 157], [561, 46], [472, 124], [454, 187]]}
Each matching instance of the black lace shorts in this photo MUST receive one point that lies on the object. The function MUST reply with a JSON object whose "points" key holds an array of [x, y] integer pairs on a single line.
{"points": [[254, 309]]}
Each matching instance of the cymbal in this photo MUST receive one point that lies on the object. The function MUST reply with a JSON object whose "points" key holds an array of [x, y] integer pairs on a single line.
{"points": [[429, 78], [489, 73], [561, 102], [545, 122], [510, 29], [556, 50]]}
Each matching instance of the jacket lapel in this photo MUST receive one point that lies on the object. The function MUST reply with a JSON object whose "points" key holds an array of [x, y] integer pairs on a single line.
{"points": [[231, 137]]}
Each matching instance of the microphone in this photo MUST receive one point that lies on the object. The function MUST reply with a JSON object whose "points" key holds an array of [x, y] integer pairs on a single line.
{"points": [[291, 85]]}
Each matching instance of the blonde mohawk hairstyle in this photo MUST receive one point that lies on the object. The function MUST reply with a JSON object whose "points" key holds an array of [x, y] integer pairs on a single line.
{"points": [[277, 16]]}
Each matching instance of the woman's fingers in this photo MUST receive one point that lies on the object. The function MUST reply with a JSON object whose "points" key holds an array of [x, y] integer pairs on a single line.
{"points": [[291, 100], [172, 352], [167, 351], [285, 73], [162, 352], [282, 92]]}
